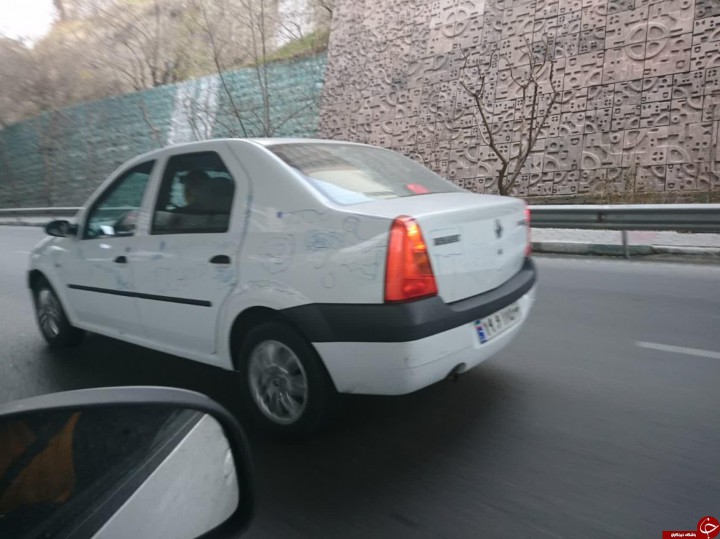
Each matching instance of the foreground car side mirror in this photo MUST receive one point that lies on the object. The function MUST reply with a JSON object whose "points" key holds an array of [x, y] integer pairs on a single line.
{"points": [[61, 228], [123, 462]]}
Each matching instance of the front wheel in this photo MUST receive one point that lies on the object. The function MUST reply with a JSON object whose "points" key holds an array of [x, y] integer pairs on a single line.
{"points": [[52, 320], [284, 382]]}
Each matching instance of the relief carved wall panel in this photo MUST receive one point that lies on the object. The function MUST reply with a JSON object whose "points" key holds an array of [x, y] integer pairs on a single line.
{"points": [[638, 85]]}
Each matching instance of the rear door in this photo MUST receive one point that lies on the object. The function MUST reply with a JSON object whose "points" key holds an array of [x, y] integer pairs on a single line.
{"points": [[187, 265]]}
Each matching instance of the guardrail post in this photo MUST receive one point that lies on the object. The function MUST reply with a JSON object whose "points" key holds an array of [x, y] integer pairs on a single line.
{"points": [[626, 249]]}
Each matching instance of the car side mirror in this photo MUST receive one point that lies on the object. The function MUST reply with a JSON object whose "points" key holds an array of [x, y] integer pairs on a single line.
{"points": [[61, 228], [123, 462]]}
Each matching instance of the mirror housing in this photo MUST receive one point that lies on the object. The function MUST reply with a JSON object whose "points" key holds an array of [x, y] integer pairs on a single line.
{"points": [[112, 460], [61, 228]]}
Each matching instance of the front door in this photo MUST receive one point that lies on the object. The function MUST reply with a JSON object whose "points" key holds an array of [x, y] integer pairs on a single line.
{"points": [[97, 271], [186, 267]]}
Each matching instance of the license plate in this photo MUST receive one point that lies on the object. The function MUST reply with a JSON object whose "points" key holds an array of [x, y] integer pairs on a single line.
{"points": [[493, 325]]}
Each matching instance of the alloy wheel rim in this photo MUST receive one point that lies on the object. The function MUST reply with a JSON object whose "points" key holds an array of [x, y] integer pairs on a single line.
{"points": [[49, 313], [278, 382]]}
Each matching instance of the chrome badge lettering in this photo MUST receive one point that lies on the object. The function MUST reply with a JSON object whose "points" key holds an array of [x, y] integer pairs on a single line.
{"points": [[444, 240]]}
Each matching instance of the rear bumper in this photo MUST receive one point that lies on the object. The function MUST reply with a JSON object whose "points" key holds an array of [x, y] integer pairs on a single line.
{"points": [[397, 368], [399, 348], [405, 322]]}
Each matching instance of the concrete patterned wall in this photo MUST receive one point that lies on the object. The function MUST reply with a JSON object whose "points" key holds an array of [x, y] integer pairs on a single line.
{"points": [[58, 159], [638, 84]]}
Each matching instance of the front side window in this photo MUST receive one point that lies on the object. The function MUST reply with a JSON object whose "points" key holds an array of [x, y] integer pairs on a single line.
{"points": [[352, 174], [195, 196], [116, 211]]}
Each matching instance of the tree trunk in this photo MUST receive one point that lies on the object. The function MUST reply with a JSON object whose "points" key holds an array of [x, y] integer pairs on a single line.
{"points": [[62, 12]]}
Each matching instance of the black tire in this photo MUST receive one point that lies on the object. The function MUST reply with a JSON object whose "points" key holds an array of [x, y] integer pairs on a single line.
{"points": [[321, 399], [59, 333]]}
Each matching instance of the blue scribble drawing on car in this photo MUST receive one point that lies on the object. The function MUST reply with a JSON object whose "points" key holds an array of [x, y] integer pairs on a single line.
{"points": [[350, 224], [353, 224], [366, 270], [323, 240], [121, 282], [298, 217], [275, 287], [158, 254], [224, 275], [191, 273], [278, 253], [318, 259]]}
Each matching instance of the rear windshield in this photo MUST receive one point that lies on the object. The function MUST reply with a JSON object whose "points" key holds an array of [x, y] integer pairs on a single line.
{"points": [[352, 174]]}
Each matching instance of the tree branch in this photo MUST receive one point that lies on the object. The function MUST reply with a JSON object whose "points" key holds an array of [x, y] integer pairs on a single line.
{"points": [[146, 119], [219, 69], [477, 96]]}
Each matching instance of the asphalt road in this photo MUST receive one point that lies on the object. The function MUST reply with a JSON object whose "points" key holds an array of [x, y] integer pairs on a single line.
{"points": [[575, 430]]}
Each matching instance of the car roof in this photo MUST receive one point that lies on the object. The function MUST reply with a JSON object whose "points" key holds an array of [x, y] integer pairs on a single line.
{"points": [[294, 140], [264, 141]]}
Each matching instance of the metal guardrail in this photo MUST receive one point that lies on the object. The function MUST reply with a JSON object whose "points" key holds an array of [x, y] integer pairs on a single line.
{"points": [[677, 217], [625, 217]]}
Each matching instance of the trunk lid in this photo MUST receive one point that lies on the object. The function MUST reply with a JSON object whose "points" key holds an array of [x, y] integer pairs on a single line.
{"points": [[475, 242]]}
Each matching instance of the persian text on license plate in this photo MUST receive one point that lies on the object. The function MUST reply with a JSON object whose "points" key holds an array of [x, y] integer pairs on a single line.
{"points": [[494, 324]]}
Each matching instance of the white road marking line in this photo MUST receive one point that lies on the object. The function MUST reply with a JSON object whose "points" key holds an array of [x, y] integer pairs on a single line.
{"points": [[678, 349], [23, 252]]}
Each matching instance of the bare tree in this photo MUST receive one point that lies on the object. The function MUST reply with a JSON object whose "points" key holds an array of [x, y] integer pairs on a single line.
{"points": [[14, 58], [58, 70], [535, 86], [156, 135], [147, 43], [52, 75], [254, 28], [60, 7], [48, 149], [11, 198], [326, 5], [214, 30], [100, 48]]}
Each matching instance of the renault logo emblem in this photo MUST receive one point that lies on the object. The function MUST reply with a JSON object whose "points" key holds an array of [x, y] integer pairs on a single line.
{"points": [[498, 229]]}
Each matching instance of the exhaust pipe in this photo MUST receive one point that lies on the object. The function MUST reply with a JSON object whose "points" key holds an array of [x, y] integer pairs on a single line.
{"points": [[455, 372]]}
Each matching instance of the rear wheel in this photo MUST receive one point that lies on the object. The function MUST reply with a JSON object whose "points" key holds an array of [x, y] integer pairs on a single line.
{"points": [[283, 381], [52, 320]]}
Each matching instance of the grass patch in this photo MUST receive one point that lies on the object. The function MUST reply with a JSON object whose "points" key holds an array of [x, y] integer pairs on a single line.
{"points": [[664, 197], [312, 43]]}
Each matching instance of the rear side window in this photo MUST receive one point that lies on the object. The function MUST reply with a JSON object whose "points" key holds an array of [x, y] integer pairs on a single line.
{"points": [[352, 174], [195, 196]]}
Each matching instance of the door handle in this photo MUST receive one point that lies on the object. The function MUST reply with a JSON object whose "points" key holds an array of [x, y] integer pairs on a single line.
{"points": [[120, 260], [220, 259]]}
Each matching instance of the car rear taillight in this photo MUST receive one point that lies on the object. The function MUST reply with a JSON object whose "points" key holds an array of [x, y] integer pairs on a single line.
{"points": [[408, 273], [528, 246]]}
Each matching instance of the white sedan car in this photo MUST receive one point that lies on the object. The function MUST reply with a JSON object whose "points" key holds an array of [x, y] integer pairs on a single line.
{"points": [[310, 267]]}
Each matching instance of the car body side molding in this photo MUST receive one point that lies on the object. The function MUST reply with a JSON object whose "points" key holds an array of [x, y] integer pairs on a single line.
{"points": [[154, 297]]}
